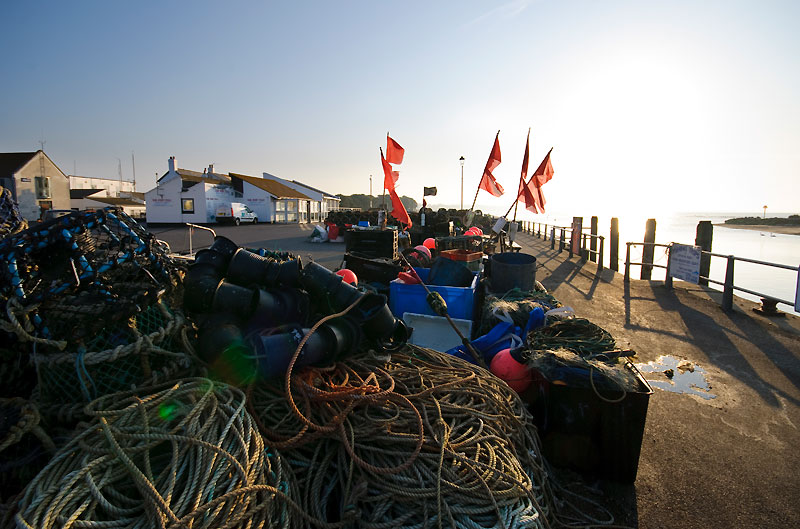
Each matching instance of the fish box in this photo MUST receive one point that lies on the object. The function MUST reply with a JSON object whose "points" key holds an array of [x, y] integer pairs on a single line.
{"points": [[411, 298], [588, 431]]}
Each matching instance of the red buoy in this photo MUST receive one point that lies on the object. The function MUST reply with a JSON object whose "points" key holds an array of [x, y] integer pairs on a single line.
{"points": [[348, 276], [507, 369], [429, 243]]}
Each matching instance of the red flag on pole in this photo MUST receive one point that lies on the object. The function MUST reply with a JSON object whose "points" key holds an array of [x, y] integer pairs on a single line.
{"points": [[524, 174], [488, 183], [398, 209], [532, 191], [394, 153], [389, 177]]}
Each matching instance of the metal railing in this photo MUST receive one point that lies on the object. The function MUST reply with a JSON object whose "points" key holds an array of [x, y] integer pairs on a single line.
{"points": [[728, 286], [592, 251], [191, 232]]}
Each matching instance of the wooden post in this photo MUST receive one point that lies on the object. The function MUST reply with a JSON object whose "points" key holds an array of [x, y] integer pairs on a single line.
{"points": [[727, 292], [600, 255], [627, 262], [553, 238], [648, 251], [705, 235], [577, 229], [593, 241], [613, 257], [668, 278], [561, 240]]}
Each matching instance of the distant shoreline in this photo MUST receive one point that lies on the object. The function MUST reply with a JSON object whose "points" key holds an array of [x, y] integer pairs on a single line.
{"points": [[787, 230]]}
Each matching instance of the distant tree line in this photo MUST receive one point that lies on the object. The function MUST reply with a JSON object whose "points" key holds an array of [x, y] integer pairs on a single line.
{"points": [[362, 202], [792, 220]]}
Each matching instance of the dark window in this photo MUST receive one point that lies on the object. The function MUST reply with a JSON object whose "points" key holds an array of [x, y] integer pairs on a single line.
{"points": [[187, 205]]}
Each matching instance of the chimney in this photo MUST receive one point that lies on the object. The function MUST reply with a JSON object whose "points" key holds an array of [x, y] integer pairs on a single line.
{"points": [[171, 163], [210, 168]]}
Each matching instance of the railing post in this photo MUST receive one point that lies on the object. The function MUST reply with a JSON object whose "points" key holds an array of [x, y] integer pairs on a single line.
{"points": [[553, 238], [600, 255], [575, 236], [593, 240], [648, 251], [561, 239], [668, 278], [727, 292], [628, 262], [703, 239], [613, 251]]}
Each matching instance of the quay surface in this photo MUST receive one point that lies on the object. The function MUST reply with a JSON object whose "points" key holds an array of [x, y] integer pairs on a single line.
{"points": [[731, 461]]}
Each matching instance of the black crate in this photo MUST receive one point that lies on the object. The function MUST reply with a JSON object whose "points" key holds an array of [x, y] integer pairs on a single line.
{"points": [[581, 431], [372, 243], [380, 270]]}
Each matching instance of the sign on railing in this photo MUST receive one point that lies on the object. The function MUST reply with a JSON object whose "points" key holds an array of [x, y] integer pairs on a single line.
{"points": [[684, 262]]}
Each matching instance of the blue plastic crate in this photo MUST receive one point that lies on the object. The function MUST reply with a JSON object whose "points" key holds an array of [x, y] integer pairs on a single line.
{"points": [[411, 298]]}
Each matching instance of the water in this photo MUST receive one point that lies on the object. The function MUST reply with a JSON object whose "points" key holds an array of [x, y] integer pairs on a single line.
{"points": [[678, 376], [682, 228]]}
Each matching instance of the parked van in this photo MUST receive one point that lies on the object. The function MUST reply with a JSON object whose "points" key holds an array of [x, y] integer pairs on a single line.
{"points": [[236, 212]]}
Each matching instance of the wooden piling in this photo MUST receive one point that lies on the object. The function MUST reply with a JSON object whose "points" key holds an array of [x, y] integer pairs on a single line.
{"points": [[593, 240], [648, 251], [613, 255], [705, 235]]}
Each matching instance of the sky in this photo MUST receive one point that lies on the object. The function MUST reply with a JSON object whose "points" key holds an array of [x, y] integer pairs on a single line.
{"points": [[648, 105]]}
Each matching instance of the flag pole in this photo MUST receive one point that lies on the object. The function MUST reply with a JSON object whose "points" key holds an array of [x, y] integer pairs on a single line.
{"points": [[383, 199], [518, 192], [522, 175], [481, 180]]}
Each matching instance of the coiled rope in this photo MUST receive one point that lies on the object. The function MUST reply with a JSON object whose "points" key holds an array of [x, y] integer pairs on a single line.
{"points": [[187, 455], [479, 464]]}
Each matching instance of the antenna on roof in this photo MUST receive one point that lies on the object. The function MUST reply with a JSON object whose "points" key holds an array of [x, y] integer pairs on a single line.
{"points": [[133, 163]]}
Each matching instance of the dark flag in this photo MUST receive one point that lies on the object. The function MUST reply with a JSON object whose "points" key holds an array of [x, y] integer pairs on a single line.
{"points": [[429, 191]]}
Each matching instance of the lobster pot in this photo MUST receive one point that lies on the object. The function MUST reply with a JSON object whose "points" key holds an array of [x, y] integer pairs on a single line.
{"points": [[67, 279], [147, 350], [10, 219]]}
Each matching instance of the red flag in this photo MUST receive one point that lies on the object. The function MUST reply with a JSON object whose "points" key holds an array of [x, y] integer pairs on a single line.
{"points": [[545, 171], [398, 209], [394, 153], [524, 173], [389, 177], [488, 183], [532, 191]]}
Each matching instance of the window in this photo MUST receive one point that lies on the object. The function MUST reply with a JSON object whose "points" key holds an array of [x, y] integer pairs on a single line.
{"points": [[187, 205], [42, 187]]}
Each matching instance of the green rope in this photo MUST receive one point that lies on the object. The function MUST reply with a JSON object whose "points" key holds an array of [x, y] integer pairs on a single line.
{"points": [[578, 335]]}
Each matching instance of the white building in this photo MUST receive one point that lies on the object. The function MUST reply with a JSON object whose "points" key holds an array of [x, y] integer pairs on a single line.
{"points": [[321, 203], [104, 187], [93, 199], [182, 195], [35, 182], [272, 200]]}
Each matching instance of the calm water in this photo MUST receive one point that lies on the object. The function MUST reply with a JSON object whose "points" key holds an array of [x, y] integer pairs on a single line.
{"points": [[682, 228]]}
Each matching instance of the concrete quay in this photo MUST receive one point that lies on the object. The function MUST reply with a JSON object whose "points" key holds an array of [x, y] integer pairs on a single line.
{"points": [[731, 461]]}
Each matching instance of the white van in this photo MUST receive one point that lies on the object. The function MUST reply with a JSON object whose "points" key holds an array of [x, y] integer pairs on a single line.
{"points": [[236, 212]]}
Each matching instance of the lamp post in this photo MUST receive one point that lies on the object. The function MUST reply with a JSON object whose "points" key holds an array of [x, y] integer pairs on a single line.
{"points": [[765, 211], [370, 191], [462, 182]]}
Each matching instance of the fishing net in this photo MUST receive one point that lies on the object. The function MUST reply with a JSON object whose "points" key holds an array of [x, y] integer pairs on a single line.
{"points": [[64, 280], [578, 335], [415, 439], [150, 348], [24, 446], [182, 455], [10, 219], [515, 307]]}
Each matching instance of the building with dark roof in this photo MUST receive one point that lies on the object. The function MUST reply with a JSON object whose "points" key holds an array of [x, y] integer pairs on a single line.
{"points": [[35, 181]]}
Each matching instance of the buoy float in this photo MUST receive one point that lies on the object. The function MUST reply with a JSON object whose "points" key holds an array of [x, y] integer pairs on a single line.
{"points": [[423, 249], [508, 369], [348, 276], [429, 243]]}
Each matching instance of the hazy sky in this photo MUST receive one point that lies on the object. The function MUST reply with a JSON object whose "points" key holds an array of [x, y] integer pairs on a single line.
{"points": [[649, 105]]}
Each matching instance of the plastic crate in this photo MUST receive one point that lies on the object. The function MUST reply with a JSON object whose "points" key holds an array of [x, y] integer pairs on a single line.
{"points": [[411, 298], [471, 260], [473, 243], [581, 431], [372, 243], [435, 332], [380, 270]]}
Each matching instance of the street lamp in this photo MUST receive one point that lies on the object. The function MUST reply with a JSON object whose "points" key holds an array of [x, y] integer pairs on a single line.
{"points": [[370, 191], [462, 182], [765, 211]]}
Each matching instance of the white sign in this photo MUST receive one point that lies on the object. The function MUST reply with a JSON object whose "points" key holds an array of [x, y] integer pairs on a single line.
{"points": [[499, 225], [684, 262]]}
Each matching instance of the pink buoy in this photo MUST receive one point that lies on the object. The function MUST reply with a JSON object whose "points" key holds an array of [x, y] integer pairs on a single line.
{"points": [[422, 249], [506, 368], [477, 230], [429, 243], [348, 276]]}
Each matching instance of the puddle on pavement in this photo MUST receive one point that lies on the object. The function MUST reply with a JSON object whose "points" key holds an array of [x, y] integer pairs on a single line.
{"points": [[678, 376]]}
